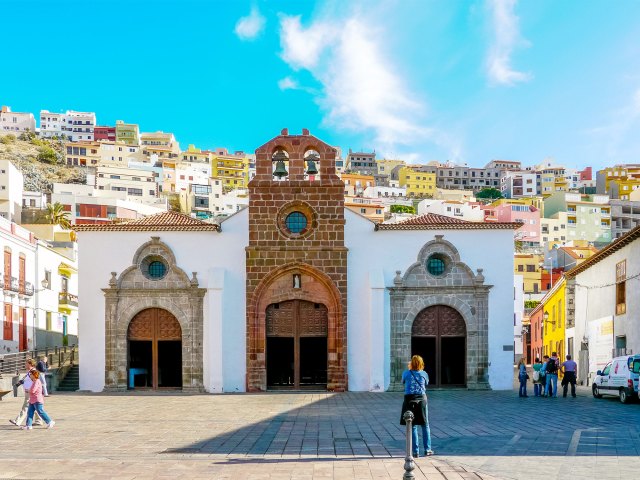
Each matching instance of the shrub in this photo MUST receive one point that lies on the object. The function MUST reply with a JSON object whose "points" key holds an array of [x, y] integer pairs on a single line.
{"points": [[47, 155], [7, 139]]}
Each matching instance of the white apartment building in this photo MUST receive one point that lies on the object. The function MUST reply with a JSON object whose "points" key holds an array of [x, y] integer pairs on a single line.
{"points": [[140, 185], [516, 184], [384, 192], [11, 187], [37, 200], [88, 205], [203, 200], [158, 146], [75, 126], [233, 202], [16, 122], [452, 208]]}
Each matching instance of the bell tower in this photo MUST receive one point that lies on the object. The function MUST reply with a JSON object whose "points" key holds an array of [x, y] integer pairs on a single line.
{"points": [[296, 268]]}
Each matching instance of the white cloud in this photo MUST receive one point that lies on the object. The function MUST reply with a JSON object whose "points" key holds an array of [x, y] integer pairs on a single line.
{"points": [[362, 90], [288, 83], [506, 39], [248, 28]]}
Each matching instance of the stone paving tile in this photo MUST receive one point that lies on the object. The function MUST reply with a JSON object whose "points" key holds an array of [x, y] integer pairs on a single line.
{"points": [[477, 435]]}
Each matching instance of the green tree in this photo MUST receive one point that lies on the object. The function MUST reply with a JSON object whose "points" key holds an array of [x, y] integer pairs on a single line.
{"points": [[47, 155], [402, 209], [56, 215], [489, 193]]}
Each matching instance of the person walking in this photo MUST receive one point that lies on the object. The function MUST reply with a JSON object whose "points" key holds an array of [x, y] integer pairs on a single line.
{"points": [[570, 370], [36, 402], [42, 367], [26, 383], [522, 377], [538, 378], [415, 381], [551, 372]]}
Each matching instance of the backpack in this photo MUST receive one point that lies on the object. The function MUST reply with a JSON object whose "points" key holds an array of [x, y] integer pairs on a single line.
{"points": [[552, 366], [536, 375], [40, 367]]}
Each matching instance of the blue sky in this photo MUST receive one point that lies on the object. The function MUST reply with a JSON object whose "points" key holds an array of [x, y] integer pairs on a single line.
{"points": [[466, 81]]}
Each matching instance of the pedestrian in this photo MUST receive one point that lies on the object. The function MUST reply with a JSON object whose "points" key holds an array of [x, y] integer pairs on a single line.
{"points": [[570, 370], [538, 378], [415, 381], [522, 377], [543, 374], [36, 402], [26, 383], [42, 366], [551, 372]]}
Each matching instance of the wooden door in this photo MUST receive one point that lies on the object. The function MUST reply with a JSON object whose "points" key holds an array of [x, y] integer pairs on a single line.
{"points": [[154, 324], [443, 330], [8, 322], [22, 336], [296, 319]]}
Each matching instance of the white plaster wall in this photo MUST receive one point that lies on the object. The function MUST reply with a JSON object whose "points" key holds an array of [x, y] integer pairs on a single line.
{"points": [[379, 254], [203, 252], [595, 298]]}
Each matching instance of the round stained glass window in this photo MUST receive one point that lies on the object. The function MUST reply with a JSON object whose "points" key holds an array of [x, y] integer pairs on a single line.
{"points": [[157, 269], [296, 222], [436, 265]]}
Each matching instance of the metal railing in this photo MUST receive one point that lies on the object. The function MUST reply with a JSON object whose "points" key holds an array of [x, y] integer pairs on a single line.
{"points": [[66, 298], [14, 363]]}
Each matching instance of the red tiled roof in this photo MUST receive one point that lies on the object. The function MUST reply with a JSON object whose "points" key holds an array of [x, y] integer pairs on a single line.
{"points": [[432, 221], [165, 221]]}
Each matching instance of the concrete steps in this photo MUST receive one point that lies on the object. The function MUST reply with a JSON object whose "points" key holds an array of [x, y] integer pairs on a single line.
{"points": [[71, 381]]}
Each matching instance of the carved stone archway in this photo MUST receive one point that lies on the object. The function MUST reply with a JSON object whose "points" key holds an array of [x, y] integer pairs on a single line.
{"points": [[455, 286], [134, 291], [280, 286]]}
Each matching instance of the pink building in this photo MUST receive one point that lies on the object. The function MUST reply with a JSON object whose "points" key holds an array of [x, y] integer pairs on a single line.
{"points": [[526, 214]]}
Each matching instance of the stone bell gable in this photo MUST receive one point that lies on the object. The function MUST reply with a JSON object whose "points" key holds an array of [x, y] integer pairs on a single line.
{"points": [[296, 178], [464, 297]]}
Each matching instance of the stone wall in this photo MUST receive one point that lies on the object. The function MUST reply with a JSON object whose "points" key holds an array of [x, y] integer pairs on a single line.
{"points": [[458, 288], [131, 292]]}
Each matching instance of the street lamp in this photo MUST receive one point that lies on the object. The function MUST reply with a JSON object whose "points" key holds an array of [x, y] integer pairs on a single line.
{"points": [[545, 317]]}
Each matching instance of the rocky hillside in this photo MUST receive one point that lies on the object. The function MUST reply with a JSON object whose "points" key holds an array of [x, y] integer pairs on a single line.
{"points": [[40, 161]]}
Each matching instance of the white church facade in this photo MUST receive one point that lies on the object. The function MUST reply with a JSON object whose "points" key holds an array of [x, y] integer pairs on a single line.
{"points": [[294, 292]]}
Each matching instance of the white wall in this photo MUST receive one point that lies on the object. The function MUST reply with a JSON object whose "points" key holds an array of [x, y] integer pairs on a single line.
{"points": [[518, 312], [373, 259], [595, 300], [219, 260]]}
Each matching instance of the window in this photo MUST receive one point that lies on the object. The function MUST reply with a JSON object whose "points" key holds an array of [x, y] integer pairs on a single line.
{"points": [[296, 222], [531, 268], [157, 269], [436, 265], [135, 191], [521, 268], [607, 369]]}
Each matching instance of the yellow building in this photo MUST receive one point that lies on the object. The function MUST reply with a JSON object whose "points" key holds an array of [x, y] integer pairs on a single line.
{"points": [[128, 133], [528, 265], [554, 320], [231, 168], [193, 155], [160, 144], [385, 165], [355, 184], [418, 184], [369, 207]]}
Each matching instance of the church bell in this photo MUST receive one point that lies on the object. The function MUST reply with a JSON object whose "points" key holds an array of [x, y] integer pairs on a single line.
{"points": [[311, 164], [281, 170]]}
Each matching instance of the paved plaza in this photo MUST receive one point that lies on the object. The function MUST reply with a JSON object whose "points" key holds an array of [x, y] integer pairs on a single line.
{"points": [[476, 435]]}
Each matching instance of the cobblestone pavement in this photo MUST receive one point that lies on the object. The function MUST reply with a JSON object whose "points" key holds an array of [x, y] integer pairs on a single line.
{"points": [[476, 435]]}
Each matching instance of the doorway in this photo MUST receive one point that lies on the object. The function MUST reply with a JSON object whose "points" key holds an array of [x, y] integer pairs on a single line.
{"points": [[155, 351], [439, 336], [296, 345]]}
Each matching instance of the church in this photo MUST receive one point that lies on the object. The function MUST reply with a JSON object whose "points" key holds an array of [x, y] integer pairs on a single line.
{"points": [[294, 292]]}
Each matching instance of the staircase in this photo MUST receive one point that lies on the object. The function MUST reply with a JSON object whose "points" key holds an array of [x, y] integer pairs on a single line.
{"points": [[71, 381]]}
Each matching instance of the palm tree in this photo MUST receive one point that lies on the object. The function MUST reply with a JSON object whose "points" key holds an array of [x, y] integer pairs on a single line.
{"points": [[56, 215]]}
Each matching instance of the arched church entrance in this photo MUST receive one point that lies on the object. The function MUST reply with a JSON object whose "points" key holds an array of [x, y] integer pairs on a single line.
{"points": [[296, 346], [154, 340], [439, 336]]}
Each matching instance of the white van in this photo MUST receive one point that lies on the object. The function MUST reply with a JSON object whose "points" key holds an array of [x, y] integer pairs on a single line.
{"points": [[619, 378]]}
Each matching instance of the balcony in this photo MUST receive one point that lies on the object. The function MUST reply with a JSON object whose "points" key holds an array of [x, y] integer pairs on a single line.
{"points": [[12, 284], [28, 289], [67, 300]]}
